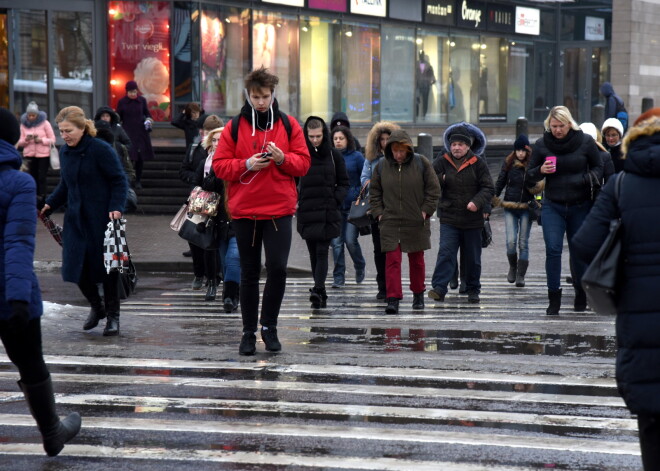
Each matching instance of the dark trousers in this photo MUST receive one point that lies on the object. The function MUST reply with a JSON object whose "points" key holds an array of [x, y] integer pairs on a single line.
{"points": [[197, 260], [138, 164], [275, 237], [110, 289], [24, 350], [451, 238], [39, 170], [318, 255], [379, 257], [649, 440]]}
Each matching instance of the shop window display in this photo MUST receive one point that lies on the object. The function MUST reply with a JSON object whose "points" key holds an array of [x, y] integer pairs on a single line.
{"points": [[139, 49], [30, 59], [432, 78], [398, 64]]}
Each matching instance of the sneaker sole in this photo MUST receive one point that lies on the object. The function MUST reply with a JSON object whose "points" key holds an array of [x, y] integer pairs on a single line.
{"points": [[435, 296]]}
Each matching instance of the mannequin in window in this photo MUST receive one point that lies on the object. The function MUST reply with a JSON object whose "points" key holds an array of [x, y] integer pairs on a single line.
{"points": [[424, 78]]}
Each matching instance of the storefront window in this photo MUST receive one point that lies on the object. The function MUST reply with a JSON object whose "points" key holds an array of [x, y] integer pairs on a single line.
{"points": [[185, 63], [543, 82], [4, 61], [360, 68], [30, 59], [432, 79], [320, 76], [520, 87], [275, 46], [493, 66], [72, 60], [139, 48], [398, 97], [224, 56], [463, 78]]}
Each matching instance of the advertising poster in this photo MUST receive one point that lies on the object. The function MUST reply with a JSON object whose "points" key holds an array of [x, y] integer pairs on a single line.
{"points": [[139, 39], [213, 61]]}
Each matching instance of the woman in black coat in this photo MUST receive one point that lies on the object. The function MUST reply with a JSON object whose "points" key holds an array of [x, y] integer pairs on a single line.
{"points": [[321, 193], [570, 162], [638, 306], [93, 186]]}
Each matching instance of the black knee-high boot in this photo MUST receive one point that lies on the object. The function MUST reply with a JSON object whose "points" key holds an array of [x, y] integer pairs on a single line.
{"points": [[55, 432]]}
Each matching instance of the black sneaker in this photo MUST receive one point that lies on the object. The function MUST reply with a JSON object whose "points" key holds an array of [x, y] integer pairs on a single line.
{"points": [[436, 295], [248, 344], [473, 297], [380, 296], [269, 336], [392, 306]]}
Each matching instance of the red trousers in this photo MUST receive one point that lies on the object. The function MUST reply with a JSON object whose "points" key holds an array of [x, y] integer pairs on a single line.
{"points": [[393, 272]]}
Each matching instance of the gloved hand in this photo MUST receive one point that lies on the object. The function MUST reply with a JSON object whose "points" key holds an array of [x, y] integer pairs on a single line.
{"points": [[20, 316]]}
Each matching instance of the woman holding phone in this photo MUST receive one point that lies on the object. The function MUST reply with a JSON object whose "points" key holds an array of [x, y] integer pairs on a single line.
{"points": [[570, 162]]}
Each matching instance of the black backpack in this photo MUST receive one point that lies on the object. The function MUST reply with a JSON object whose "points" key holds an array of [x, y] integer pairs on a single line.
{"points": [[235, 120]]}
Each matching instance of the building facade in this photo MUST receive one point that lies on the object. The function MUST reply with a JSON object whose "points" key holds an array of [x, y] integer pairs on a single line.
{"points": [[417, 62]]}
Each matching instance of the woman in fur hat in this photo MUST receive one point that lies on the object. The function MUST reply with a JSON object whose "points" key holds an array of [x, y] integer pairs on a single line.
{"points": [[517, 217]]}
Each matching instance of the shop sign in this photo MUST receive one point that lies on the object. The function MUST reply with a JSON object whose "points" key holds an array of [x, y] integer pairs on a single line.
{"points": [[334, 5], [528, 21], [471, 14], [293, 3], [369, 7], [410, 10], [439, 12], [501, 18], [139, 35], [594, 29]]}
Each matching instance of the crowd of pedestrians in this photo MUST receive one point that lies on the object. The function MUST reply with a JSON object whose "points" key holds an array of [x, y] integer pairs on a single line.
{"points": [[265, 168]]}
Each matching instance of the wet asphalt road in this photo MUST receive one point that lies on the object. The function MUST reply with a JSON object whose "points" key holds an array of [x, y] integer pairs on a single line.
{"points": [[456, 387]]}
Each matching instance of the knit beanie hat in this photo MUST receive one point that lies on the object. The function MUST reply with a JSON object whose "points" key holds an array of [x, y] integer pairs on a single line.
{"points": [[521, 143], [131, 85], [460, 133], [10, 130], [614, 124], [590, 130], [32, 108]]}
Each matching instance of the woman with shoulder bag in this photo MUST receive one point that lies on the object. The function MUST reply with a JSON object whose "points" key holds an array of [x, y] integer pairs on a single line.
{"points": [[321, 194], [517, 217]]}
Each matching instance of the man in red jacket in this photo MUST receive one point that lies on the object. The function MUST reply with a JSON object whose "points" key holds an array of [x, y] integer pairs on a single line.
{"points": [[258, 164]]}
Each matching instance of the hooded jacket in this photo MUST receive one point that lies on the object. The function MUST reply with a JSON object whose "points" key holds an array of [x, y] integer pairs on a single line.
{"points": [[612, 100], [637, 372], [41, 128], [117, 130], [398, 195], [322, 190], [270, 192], [18, 225], [372, 152]]}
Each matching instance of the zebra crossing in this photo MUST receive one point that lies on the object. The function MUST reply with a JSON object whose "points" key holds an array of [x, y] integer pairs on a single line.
{"points": [[496, 386]]}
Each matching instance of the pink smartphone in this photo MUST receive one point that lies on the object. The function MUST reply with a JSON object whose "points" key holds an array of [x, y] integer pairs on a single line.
{"points": [[553, 159]]}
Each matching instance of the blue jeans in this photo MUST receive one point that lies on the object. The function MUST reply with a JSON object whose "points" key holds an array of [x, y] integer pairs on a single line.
{"points": [[349, 236], [451, 238], [518, 225], [559, 219], [231, 262]]}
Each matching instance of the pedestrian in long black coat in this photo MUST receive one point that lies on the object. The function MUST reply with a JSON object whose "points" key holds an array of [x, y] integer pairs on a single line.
{"points": [[321, 193], [638, 306]]}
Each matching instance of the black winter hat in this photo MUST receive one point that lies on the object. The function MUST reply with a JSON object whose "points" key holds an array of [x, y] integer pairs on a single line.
{"points": [[104, 131], [461, 133], [131, 85], [10, 130], [521, 142]]}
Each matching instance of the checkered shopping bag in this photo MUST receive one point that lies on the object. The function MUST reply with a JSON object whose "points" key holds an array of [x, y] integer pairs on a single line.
{"points": [[115, 249]]}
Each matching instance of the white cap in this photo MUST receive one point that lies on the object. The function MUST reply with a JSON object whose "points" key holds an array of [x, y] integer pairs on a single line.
{"points": [[590, 129], [612, 123]]}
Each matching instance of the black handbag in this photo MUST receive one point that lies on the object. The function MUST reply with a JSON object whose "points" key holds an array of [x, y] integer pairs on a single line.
{"points": [[534, 208], [486, 234], [200, 230], [358, 215], [600, 279], [128, 281]]}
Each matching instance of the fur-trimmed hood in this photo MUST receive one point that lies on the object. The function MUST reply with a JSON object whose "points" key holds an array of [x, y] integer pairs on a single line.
{"points": [[478, 146], [372, 150], [41, 117], [641, 148], [114, 118]]}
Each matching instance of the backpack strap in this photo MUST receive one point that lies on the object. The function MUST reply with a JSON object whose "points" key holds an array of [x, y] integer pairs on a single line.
{"points": [[236, 119]]}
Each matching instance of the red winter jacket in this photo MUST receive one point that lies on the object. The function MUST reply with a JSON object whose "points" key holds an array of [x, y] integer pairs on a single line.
{"points": [[270, 192]]}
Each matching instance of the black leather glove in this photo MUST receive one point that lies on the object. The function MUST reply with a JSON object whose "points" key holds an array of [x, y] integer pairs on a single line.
{"points": [[20, 316]]}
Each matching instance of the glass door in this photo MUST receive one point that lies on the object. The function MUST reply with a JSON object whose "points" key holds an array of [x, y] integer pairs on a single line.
{"points": [[584, 70]]}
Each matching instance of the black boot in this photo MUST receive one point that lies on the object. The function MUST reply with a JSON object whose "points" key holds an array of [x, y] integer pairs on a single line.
{"points": [[555, 302], [112, 308], [97, 312], [54, 432], [230, 296], [315, 298], [453, 283], [520, 273], [392, 306], [513, 266], [211, 290], [580, 303], [418, 301], [324, 297]]}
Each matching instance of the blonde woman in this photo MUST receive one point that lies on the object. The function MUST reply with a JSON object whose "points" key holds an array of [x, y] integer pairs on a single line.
{"points": [[569, 161]]}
